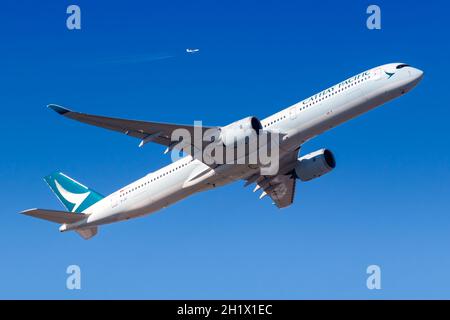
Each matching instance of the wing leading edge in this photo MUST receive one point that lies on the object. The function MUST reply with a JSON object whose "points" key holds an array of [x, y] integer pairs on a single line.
{"points": [[157, 132]]}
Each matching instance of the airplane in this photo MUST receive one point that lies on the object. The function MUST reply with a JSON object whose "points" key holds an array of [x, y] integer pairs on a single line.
{"points": [[297, 124], [192, 50]]}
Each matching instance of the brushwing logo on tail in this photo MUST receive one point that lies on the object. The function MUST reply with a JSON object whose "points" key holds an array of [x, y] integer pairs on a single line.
{"points": [[74, 198]]}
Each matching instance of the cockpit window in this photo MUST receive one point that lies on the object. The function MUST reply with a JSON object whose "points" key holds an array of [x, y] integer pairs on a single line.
{"points": [[402, 66]]}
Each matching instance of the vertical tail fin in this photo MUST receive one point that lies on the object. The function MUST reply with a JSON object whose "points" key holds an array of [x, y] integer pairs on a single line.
{"points": [[75, 196]]}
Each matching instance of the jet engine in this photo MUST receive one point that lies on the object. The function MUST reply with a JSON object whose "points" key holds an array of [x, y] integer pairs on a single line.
{"points": [[314, 164], [238, 132]]}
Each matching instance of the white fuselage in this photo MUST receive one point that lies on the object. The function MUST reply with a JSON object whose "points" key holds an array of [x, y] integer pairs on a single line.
{"points": [[298, 123]]}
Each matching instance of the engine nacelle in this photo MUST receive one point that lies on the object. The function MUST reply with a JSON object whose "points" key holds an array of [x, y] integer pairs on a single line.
{"points": [[315, 164], [238, 131]]}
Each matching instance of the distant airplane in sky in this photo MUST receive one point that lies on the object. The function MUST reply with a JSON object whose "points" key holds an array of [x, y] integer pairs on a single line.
{"points": [[295, 125], [192, 50]]}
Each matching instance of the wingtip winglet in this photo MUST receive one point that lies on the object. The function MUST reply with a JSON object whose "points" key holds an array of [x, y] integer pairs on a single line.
{"points": [[27, 211], [60, 110]]}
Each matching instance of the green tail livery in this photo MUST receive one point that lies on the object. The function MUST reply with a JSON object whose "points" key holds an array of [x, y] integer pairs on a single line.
{"points": [[75, 196]]}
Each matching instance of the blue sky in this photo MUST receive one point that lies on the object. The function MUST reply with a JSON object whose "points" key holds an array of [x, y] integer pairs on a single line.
{"points": [[386, 203]]}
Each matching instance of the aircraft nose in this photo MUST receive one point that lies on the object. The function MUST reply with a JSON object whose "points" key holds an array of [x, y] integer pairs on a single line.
{"points": [[416, 74]]}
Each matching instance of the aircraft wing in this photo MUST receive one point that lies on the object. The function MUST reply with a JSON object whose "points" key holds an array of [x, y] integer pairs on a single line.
{"points": [[145, 131], [281, 187]]}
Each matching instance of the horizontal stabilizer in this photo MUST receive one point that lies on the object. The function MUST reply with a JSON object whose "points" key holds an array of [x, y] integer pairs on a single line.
{"points": [[55, 215]]}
